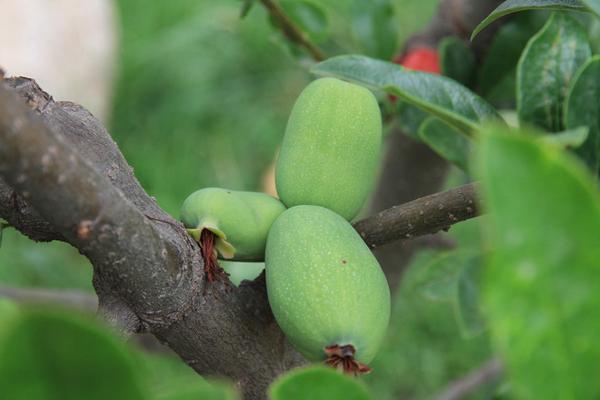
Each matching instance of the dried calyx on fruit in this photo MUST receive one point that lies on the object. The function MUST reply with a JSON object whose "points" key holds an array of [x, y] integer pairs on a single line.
{"points": [[326, 289], [229, 224]]}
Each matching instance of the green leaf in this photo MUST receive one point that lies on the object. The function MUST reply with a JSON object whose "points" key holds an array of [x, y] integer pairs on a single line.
{"points": [[593, 5], [513, 6], [317, 383], [51, 355], [500, 63], [446, 141], [246, 7], [457, 60], [542, 283], [582, 108], [569, 139], [468, 307], [199, 389], [438, 95], [437, 280], [454, 277], [547, 66]]}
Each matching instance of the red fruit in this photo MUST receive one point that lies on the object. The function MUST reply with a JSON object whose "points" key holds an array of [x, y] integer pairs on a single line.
{"points": [[420, 59]]}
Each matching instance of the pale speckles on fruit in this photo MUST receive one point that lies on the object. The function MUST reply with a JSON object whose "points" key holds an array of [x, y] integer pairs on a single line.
{"points": [[317, 299], [331, 149]]}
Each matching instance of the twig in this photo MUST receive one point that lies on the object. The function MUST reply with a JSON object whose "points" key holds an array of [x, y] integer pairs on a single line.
{"points": [[291, 30], [488, 372], [72, 299], [426, 215]]}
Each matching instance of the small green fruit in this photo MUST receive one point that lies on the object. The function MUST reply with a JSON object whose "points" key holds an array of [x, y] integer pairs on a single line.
{"points": [[325, 286], [331, 149], [240, 221]]}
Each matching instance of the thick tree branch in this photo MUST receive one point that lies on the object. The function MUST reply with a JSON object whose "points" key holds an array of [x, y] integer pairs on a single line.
{"points": [[489, 372], [291, 30], [147, 270], [426, 215]]}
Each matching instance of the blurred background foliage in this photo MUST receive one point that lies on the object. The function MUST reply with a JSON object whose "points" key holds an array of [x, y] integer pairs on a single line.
{"points": [[202, 99]]}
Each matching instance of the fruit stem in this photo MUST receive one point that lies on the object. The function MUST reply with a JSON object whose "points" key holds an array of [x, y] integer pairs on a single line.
{"points": [[342, 358], [212, 269]]}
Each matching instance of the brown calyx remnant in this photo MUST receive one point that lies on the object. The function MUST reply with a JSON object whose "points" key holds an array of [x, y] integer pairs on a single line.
{"points": [[212, 269], [342, 358]]}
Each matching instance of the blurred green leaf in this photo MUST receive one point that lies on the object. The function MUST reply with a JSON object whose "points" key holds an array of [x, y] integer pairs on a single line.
{"points": [[52, 355], [437, 280], [513, 6], [594, 5], [317, 383], [446, 141], [582, 109], [457, 60], [374, 24], [468, 304], [409, 118], [546, 68], [309, 16], [440, 96], [500, 63], [541, 286], [246, 7], [569, 139], [199, 390], [242, 271], [454, 277]]}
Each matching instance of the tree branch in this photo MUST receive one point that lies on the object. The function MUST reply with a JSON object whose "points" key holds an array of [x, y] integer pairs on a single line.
{"points": [[426, 215], [489, 372], [147, 270], [291, 30]]}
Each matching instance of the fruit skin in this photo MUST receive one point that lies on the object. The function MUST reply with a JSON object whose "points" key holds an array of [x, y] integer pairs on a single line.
{"points": [[422, 59], [240, 220], [324, 285], [331, 148]]}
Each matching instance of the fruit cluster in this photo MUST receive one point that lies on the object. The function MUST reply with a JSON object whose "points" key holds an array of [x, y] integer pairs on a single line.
{"points": [[325, 287]]}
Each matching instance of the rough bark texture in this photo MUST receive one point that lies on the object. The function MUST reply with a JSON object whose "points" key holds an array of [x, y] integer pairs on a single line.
{"points": [[72, 183], [62, 177], [75, 185]]}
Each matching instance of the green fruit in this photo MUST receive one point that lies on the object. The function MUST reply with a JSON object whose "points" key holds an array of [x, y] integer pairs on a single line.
{"points": [[240, 220], [330, 152], [324, 285]]}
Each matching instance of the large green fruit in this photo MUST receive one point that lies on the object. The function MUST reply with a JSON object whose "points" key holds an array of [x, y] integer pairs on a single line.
{"points": [[324, 285], [331, 149], [239, 220]]}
